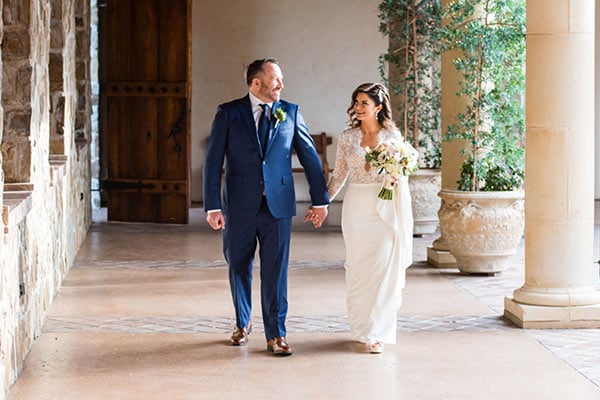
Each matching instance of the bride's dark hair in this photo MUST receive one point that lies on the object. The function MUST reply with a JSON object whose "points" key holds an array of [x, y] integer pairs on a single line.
{"points": [[379, 94]]}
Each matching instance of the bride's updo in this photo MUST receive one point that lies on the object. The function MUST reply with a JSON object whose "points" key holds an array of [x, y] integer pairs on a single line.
{"points": [[379, 94]]}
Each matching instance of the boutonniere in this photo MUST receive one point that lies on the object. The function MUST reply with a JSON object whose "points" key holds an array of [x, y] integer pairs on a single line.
{"points": [[280, 116]]}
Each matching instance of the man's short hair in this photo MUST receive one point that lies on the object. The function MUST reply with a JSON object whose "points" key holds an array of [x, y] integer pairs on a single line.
{"points": [[256, 67]]}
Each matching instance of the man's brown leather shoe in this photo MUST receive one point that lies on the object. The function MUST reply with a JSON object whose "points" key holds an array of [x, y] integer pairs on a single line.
{"points": [[240, 335], [279, 347]]}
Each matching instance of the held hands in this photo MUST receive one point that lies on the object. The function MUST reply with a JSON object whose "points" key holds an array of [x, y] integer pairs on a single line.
{"points": [[215, 219], [316, 215]]}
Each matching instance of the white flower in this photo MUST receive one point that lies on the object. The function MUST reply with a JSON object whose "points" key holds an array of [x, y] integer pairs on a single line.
{"points": [[393, 158]]}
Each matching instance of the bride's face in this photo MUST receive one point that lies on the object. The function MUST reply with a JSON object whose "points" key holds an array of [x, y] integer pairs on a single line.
{"points": [[365, 108]]}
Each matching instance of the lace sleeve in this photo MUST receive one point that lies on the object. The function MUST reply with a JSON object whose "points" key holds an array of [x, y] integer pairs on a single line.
{"points": [[340, 172]]}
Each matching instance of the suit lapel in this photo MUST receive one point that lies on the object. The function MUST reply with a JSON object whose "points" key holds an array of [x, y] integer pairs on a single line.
{"points": [[273, 126], [248, 119]]}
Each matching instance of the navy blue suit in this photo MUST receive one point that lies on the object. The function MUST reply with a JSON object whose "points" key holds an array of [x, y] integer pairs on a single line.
{"points": [[258, 201]]}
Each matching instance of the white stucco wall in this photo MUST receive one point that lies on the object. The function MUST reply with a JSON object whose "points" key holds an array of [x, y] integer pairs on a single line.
{"points": [[325, 49]]}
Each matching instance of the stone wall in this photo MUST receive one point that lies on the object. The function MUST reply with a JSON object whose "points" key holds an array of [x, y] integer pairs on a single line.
{"points": [[46, 165], [16, 90]]}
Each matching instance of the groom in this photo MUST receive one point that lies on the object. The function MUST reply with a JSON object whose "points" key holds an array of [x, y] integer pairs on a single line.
{"points": [[256, 135]]}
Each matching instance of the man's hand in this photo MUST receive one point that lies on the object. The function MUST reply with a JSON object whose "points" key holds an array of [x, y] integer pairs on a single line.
{"points": [[215, 219], [316, 215]]}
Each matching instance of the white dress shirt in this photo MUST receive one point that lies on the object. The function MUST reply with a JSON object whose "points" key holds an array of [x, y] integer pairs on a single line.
{"points": [[257, 109]]}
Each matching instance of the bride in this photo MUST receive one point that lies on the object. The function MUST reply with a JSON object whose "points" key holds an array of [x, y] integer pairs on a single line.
{"points": [[377, 233]]}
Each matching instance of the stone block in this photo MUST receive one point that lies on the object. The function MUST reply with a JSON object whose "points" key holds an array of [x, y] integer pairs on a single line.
{"points": [[440, 258], [10, 171], [9, 78], [56, 10], [81, 120], [57, 146], [8, 151], [57, 41], [82, 9], [81, 70], [55, 69], [18, 122], [586, 313], [23, 89], [16, 45], [540, 317], [83, 45], [16, 12], [16, 160]]}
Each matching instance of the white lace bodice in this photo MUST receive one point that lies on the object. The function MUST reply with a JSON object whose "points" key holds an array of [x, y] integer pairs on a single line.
{"points": [[350, 160]]}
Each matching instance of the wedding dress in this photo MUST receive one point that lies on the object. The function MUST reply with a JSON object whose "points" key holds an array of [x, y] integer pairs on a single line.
{"points": [[378, 238]]}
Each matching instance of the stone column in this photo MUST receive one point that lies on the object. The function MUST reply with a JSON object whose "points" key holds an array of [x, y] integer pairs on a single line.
{"points": [[438, 255], [559, 198]]}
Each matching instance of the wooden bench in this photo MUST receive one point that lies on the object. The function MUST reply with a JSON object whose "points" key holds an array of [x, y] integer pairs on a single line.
{"points": [[321, 142]]}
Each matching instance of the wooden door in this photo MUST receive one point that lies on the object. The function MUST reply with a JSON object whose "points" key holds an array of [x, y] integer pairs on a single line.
{"points": [[144, 109]]}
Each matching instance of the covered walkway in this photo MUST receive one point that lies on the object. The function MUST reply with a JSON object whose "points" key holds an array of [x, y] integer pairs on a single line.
{"points": [[145, 313]]}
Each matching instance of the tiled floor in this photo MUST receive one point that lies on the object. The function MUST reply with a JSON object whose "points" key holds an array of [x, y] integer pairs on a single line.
{"points": [[145, 314]]}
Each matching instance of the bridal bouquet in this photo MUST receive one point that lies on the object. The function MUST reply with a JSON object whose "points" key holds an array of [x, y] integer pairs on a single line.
{"points": [[393, 158]]}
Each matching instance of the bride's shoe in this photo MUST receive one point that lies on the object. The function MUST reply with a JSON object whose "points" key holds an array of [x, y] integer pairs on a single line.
{"points": [[375, 347]]}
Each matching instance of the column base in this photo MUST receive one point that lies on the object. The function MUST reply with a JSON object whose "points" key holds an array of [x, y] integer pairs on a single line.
{"points": [[440, 258], [551, 317]]}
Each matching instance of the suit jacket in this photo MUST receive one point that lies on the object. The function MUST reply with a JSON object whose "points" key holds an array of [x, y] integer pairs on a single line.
{"points": [[248, 172]]}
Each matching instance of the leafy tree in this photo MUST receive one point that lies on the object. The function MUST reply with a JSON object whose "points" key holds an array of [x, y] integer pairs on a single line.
{"points": [[413, 58], [490, 35]]}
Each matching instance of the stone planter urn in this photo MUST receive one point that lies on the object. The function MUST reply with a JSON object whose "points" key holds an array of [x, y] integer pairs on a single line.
{"points": [[425, 185], [483, 229]]}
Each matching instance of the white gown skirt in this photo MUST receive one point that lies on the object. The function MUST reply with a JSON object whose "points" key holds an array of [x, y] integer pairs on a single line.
{"points": [[378, 238]]}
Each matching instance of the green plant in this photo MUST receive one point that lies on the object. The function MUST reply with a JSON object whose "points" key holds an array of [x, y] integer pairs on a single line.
{"points": [[490, 35], [413, 59]]}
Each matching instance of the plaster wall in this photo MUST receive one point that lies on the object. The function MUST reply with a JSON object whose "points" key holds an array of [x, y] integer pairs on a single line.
{"points": [[325, 48]]}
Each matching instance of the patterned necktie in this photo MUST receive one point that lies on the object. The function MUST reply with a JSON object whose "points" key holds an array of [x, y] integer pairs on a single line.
{"points": [[263, 126]]}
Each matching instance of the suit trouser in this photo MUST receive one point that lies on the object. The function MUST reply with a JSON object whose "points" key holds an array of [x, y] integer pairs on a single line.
{"points": [[240, 237]]}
